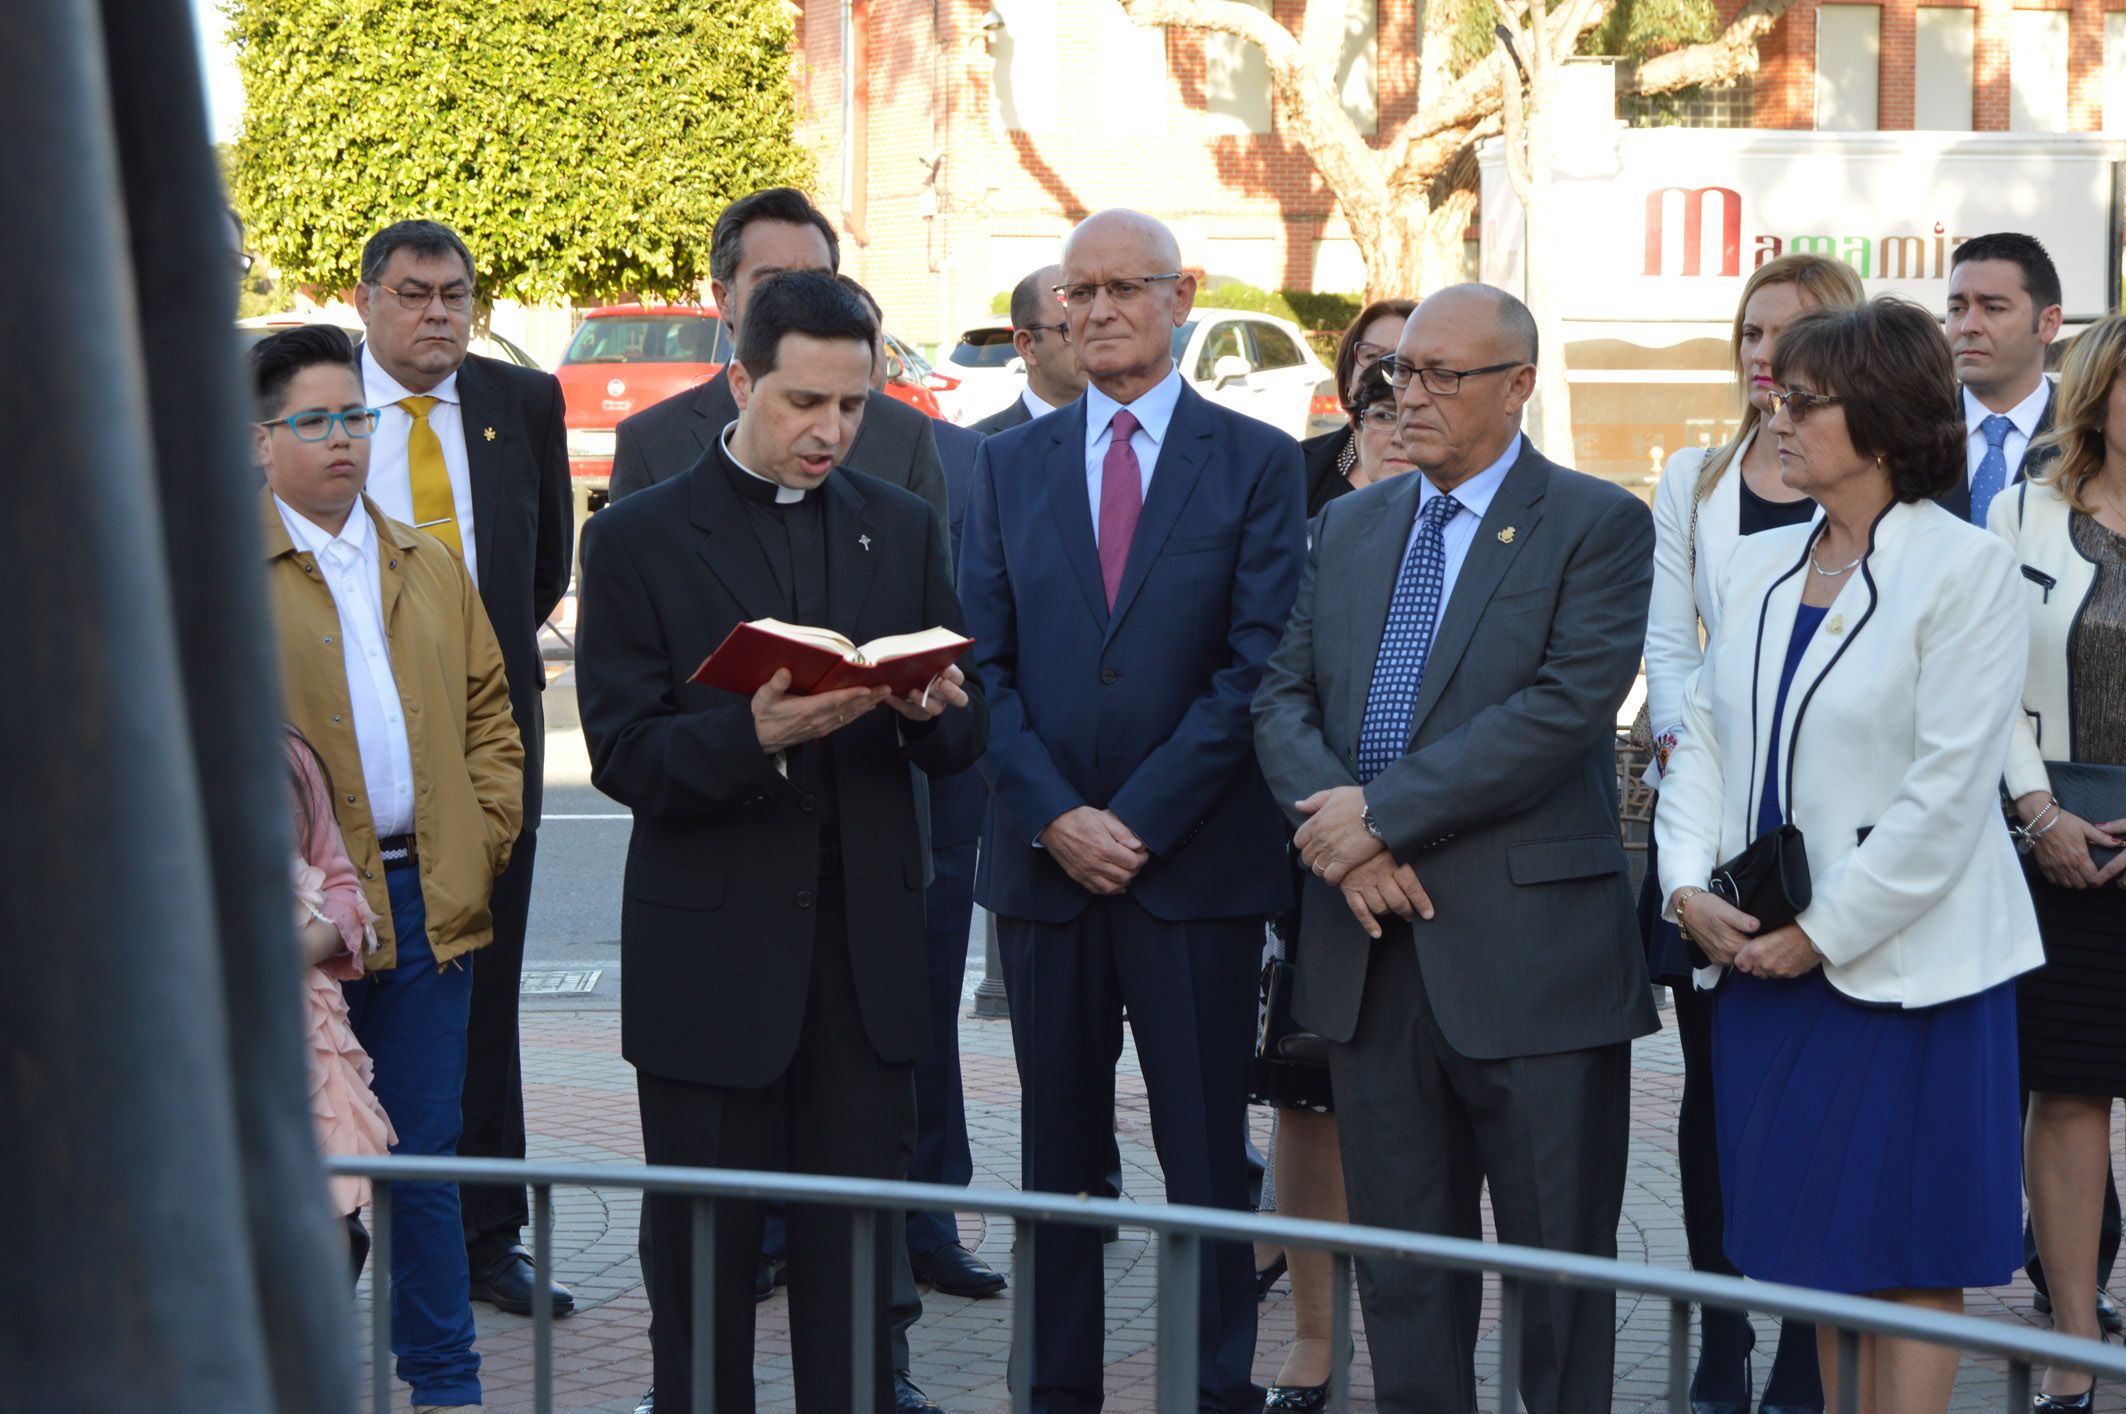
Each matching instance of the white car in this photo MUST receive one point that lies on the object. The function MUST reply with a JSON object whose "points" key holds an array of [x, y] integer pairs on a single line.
{"points": [[1252, 363]]}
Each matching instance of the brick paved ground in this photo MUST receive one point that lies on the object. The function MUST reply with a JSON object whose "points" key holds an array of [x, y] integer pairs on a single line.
{"points": [[579, 1096]]}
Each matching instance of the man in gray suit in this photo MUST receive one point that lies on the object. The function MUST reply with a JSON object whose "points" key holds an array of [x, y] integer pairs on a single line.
{"points": [[1054, 377], [758, 235], [1440, 719]]}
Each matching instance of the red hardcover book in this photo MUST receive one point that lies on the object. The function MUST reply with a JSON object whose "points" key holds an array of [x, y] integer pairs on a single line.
{"points": [[821, 660]]}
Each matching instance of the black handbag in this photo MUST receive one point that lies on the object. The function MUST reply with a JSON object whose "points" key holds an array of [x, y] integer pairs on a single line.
{"points": [[1282, 1038], [1769, 880], [2096, 793]]}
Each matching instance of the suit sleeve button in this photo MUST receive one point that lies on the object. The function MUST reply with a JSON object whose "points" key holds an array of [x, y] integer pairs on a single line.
{"points": [[1108, 675], [804, 898]]}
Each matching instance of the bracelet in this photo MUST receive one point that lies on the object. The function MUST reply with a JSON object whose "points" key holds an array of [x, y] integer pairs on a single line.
{"points": [[2045, 829], [2027, 836], [314, 913], [1683, 896]]}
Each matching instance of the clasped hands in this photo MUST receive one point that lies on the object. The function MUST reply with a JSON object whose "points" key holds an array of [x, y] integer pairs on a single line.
{"points": [[1337, 846], [1728, 938], [782, 721]]}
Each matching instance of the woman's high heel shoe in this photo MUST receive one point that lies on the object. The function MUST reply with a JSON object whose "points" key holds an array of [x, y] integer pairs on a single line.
{"points": [[1307, 1398], [1266, 1277]]}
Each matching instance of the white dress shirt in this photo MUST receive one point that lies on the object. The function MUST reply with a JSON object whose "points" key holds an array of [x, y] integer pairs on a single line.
{"points": [[1153, 411], [2024, 415], [348, 564], [390, 477], [1459, 533], [1036, 405]]}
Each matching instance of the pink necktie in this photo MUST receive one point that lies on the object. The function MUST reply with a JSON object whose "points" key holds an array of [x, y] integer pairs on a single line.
{"points": [[1121, 500]]}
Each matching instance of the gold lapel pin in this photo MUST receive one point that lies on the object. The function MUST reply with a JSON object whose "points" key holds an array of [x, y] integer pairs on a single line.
{"points": [[490, 434], [1836, 626], [1506, 536]]}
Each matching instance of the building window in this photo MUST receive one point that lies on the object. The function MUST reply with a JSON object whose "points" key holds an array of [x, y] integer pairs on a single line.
{"points": [[1023, 56], [1358, 71], [1128, 72], [1848, 66], [2114, 71], [1236, 82], [1941, 69], [2037, 72]]}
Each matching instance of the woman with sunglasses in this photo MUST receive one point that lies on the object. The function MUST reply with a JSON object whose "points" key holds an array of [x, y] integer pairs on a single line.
{"points": [[1306, 1177], [1333, 457], [1853, 715], [1709, 499]]}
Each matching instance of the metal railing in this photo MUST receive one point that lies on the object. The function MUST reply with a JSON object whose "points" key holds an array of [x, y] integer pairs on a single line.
{"points": [[1181, 1231]]}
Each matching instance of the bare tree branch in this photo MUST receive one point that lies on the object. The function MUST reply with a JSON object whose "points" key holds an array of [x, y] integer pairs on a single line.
{"points": [[1719, 60]]}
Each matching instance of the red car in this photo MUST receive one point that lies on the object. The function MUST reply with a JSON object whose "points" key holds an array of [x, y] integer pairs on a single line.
{"points": [[627, 357]]}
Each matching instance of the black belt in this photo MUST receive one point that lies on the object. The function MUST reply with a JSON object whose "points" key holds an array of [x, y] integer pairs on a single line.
{"points": [[399, 851]]}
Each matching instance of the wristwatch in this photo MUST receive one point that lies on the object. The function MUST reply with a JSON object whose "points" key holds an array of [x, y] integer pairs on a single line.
{"points": [[1372, 825]]}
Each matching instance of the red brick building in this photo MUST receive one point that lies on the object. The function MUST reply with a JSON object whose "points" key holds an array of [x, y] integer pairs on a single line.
{"points": [[964, 137]]}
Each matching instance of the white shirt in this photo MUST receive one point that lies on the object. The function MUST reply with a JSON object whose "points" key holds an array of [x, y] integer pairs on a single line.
{"points": [[1036, 405], [2024, 415], [1459, 533], [391, 478], [1153, 411], [348, 564]]}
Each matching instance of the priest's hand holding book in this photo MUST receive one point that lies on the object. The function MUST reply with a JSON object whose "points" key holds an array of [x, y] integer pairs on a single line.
{"points": [[808, 682]]}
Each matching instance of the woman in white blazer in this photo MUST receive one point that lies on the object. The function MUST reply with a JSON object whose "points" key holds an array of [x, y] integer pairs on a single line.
{"points": [[2067, 528], [1861, 687], [1708, 500]]}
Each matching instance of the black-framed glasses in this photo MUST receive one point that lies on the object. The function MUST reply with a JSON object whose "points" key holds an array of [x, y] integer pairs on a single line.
{"points": [[1439, 382], [1038, 329], [1121, 291], [316, 426], [1798, 403], [456, 298]]}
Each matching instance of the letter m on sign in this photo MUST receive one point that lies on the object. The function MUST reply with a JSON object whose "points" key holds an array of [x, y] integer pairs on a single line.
{"points": [[1693, 200]]}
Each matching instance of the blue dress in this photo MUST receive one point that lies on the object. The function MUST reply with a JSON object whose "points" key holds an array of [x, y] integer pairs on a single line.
{"points": [[1864, 1147]]}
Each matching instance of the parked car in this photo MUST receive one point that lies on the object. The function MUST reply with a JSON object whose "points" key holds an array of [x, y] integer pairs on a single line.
{"points": [[1260, 365], [989, 370], [627, 357], [256, 328]]}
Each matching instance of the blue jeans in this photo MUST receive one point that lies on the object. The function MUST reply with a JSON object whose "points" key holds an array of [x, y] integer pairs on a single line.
{"points": [[411, 1020]]}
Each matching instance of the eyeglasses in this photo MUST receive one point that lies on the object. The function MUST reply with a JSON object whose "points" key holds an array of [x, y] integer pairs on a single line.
{"points": [[1366, 354], [1120, 291], [1797, 404], [317, 426], [1439, 382], [1381, 417], [455, 297], [1038, 329]]}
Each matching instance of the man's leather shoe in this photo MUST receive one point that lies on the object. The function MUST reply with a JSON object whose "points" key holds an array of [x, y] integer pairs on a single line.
{"points": [[2107, 1311], [906, 1396], [506, 1284], [955, 1271], [771, 1273], [649, 1401]]}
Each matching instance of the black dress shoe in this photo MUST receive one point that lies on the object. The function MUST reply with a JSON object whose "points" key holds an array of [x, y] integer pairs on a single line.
{"points": [[771, 1273], [1305, 1397], [906, 1397], [2083, 1401], [649, 1401], [955, 1271], [2107, 1310], [506, 1284]]}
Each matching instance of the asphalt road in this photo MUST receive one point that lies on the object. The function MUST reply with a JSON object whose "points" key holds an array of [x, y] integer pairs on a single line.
{"points": [[575, 911]]}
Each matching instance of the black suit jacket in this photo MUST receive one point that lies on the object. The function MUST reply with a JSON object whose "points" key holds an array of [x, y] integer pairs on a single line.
{"points": [[1005, 418], [1957, 499], [895, 443], [1322, 453], [717, 911], [523, 526]]}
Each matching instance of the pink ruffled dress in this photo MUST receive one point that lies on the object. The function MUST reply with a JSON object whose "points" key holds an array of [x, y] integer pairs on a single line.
{"points": [[349, 1119]]}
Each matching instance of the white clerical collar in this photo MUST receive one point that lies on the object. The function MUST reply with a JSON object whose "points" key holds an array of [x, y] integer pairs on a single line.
{"points": [[784, 495], [384, 391]]}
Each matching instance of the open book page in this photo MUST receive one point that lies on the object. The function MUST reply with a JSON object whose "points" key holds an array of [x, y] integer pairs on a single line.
{"points": [[902, 645], [825, 638]]}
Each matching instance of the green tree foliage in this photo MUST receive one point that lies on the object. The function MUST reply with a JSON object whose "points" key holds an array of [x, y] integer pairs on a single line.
{"points": [[1640, 29], [583, 150]]}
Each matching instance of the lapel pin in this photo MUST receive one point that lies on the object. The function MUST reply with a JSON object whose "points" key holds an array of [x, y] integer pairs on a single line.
{"points": [[1506, 536], [1836, 626], [490, 434], [864, 540]]}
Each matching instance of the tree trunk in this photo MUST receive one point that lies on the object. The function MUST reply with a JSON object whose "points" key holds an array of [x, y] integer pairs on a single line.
{"points": [[1394, 249]]}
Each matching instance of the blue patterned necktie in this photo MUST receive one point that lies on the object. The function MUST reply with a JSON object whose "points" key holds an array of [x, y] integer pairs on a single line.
{"points": [[1400, 667], [1992, 473]]}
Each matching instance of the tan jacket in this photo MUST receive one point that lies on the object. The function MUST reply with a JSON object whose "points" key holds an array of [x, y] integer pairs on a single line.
{"points": [[468, 762]]}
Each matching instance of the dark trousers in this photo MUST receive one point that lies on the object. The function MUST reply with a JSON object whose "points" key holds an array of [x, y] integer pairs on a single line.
{"points": [[1425, 1130], [1190, 993], [941, 1151], [411, 1020], [494, 1216], [840, 1110]]}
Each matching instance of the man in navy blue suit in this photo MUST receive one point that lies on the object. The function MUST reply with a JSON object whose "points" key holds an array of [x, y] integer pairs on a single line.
{"points": [[1127, 568]]}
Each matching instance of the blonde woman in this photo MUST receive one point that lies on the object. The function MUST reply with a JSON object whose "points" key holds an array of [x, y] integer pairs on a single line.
{"points": [[1708, 500], [2067, 525]]}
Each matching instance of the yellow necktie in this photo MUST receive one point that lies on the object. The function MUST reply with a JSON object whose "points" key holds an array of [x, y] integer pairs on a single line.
{"points": [[433, 508]]}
